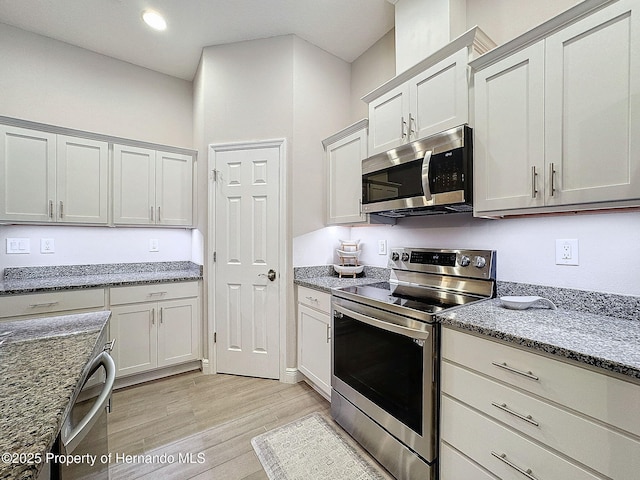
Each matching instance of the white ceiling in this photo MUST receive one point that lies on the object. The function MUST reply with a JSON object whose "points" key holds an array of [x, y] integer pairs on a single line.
{"points": [[345, 28]]}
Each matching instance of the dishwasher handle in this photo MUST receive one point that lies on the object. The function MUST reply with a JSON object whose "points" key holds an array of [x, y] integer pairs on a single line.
{"points": [[71, 439]]}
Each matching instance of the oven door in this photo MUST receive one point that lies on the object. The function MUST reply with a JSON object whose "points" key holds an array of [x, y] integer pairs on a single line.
{"points": [[385, 365]]}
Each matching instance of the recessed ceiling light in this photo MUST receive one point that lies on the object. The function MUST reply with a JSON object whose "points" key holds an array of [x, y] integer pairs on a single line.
{"points": [[154, 20]]}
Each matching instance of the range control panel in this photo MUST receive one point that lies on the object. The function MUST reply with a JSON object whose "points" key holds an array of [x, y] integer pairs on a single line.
{"points": [[463, 263]]}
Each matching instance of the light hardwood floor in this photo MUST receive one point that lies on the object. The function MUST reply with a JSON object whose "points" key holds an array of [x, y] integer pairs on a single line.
{"points": [[214, 416]]}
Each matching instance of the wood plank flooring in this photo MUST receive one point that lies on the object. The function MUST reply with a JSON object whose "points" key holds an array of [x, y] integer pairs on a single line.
{"points": [[210, 417]]}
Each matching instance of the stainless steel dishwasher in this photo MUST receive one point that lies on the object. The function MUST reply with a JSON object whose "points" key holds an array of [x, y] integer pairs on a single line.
{"points": [[84, 431]]}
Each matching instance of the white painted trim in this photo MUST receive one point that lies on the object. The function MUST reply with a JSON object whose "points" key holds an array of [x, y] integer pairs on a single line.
{"points": [[292, 375], [136, 379], [284, 240], [206, 367], [345, 132]]}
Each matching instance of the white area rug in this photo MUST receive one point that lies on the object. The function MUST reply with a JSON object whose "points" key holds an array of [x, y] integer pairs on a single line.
{"points": [[310, 448]]}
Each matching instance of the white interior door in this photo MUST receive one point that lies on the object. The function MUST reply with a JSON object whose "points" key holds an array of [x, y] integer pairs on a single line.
{"points": [[247, 312]]}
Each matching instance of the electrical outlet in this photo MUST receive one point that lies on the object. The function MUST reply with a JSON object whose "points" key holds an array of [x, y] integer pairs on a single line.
{"points": [[47, 245], [153, 245], [567, 252], [382, 247]]}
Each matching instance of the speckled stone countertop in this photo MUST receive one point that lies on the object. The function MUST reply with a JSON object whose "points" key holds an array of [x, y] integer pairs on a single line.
{"points": [[20, 280], [600, 330], [324, 277], [41, 364]]}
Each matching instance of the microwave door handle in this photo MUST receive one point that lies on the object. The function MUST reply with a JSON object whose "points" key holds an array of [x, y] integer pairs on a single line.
{"points": [[425, 175]]}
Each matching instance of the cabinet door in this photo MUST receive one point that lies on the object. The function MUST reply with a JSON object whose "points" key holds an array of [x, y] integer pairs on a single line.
{"points": [[509, 132], [592, 108], [178, 332], [134, 185], [314, 347], [27, 175], [439, 97], [135, 329], [344, 162], [174, 189], [81, 167], [388, 120]]}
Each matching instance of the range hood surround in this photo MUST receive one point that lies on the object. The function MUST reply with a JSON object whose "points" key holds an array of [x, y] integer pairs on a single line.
{"points": [[424, 26]]}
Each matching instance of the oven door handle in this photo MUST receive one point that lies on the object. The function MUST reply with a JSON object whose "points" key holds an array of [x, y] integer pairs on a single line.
{"points": [[390, 327]]}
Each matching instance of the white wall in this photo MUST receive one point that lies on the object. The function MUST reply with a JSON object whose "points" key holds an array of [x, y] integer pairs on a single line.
{"points": [[48, 81], [52, 82], [503, 20], [94, 245]]}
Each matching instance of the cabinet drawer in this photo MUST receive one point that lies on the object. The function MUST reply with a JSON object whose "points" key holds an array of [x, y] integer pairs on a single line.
{"points": [[455, 466], [314, 299], [51, 302], [500, 450], [153, 292], [573, 435], [597, 395]]}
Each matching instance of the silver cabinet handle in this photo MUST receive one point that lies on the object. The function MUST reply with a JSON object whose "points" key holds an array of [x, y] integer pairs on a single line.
{"points": [[311, 299], [48, 304], [108, 347], [403, 129], [153, 316], [534, 179], [158, 214], [526, 418], [503, 458], [50, 208], [515, 370], [552, 179], [153, 294], [411, 130], [161, 320], [328, 333], [61, 209], [151, 208]]}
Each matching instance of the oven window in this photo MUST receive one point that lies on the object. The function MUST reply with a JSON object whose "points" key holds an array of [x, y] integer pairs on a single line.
{"points": [[385, 367], [400, 181]]}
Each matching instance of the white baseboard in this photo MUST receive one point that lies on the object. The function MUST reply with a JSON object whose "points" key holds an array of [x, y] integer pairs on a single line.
{"points": [[207, 367], [292, 375], [130, 380]]}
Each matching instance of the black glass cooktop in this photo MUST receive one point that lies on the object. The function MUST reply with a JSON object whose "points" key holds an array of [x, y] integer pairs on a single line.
{"points": [[423, 299]]}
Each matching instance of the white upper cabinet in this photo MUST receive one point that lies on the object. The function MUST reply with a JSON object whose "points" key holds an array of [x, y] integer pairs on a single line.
{"points": [[344, 154], [555, 119], [428, 98], [52, 178], [82, 180], [152, 187]]}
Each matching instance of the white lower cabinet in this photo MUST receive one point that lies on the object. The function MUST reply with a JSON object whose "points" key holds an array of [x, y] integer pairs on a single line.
{"points": [[158, 333], [314, 338], [518, 414]]}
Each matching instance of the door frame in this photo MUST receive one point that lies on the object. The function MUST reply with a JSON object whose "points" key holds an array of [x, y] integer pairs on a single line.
{"points": [[287, 375]]}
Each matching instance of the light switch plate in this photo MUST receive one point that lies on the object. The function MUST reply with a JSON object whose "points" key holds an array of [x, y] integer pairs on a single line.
{"points": [[154, 245], [382, 247], [18, 245]]}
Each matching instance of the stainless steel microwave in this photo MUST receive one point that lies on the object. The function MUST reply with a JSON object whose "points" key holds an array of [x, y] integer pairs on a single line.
{"points": [[429, 176]]}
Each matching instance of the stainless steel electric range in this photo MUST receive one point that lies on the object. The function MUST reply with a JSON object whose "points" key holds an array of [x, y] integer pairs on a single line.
{"points": [[385, 352]]}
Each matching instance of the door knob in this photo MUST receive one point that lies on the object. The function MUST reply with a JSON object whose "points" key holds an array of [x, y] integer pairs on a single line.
{"points": [[271, 274]]}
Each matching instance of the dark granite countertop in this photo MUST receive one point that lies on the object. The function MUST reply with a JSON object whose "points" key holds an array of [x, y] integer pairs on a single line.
{"points": [[325, 279], [70, 277], [42, 362], [609, 343]]}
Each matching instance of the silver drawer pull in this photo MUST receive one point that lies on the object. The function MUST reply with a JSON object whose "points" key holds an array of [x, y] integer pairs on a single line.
{"points": [[108, 347], [37, 305], [515, 370], [526, 418], [503, 458], [152, 294], [311, 299]]}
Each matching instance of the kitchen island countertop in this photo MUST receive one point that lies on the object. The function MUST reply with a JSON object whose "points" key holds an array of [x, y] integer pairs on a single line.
{"points": [[608, 343], [41, 364]]}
